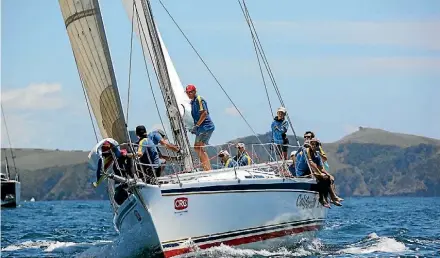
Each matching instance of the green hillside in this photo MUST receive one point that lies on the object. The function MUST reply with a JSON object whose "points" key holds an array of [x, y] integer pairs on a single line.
{"points": [[369, 162]]}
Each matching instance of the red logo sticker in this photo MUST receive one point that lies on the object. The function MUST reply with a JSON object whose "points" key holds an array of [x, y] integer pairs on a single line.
{"points": [[181, 203]]}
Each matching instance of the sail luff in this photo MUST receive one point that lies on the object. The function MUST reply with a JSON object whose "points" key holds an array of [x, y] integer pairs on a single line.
{"points": [[87, 37], [178, 110]]}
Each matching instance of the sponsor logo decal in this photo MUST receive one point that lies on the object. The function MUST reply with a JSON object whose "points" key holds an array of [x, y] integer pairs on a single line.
{"points": [[306, 201], [138, 216], [181, 203]]}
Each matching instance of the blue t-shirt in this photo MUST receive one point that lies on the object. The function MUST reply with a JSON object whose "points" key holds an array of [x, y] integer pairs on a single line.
{"points": [[302, 168], [155, 137], [149, 151], [198, 104], [279, 127]]}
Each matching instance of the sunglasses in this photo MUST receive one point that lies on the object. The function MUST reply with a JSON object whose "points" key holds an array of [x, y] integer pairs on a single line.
{"points": [[307, 136], [188, 92]]}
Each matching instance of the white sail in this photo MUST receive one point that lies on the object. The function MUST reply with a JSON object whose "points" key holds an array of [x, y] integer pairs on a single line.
{"points": [[178, 90], [89, 44]]}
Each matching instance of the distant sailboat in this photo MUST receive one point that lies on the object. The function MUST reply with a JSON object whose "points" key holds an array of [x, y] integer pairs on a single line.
{"points": [[10, 188], [182, 213]]}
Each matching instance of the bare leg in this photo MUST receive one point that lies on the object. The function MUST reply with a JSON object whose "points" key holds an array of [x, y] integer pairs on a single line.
{"points": [[203, 156]]}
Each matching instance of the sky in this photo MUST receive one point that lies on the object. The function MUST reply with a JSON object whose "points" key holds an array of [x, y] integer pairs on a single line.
{"points": [[338, 64]]}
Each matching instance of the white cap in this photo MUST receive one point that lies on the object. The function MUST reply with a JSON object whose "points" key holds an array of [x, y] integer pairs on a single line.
{"points": [[282, 109], [293, 153], [223, 153]]}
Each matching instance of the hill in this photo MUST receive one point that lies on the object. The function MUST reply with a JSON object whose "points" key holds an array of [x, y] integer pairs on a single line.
{"points": [[369, 162]]}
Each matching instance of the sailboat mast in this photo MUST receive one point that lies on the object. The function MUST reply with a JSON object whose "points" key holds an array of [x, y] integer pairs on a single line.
{"points": [[7, 167], [10, 147], [174, 116]]}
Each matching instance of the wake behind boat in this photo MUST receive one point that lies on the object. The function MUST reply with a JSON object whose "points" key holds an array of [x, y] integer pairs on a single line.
{"points": [[182, 212]]}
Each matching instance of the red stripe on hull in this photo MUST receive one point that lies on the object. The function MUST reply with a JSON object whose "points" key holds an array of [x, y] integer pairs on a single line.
{"points": [[244, 240]]}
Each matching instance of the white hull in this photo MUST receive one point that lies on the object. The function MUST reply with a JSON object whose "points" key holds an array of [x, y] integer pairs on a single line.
{"points": [[210, 211], [10, 193]]}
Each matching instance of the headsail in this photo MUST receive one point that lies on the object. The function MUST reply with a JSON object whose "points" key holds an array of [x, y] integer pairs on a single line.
{"points": [[169, 82], [89, 44]]}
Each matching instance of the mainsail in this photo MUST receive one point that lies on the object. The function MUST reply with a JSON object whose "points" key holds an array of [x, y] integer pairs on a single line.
{"points": [[176, 102], [89, 44]]}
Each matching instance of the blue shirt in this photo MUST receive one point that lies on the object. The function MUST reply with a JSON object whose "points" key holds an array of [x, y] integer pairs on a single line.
{"points": [[279, 127], [198, 104], [244, 160], [149, 152], [155, 137], [231, 163], [302, 168]]}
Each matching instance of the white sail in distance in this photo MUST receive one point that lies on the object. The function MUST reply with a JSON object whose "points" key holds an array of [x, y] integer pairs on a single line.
{"points": [[139, 25], [90, 48]]}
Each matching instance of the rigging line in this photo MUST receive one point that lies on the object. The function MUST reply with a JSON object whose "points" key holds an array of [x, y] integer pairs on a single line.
{"points": [[129, 66], [212, 74], [177, 120], [9, 140], [141, 29], [184, 137], [148, 72], [265, 61], [86, 99], [258, 59]]}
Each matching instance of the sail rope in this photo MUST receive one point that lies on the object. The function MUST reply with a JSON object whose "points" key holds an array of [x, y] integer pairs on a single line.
{"points": [[129, 67], [260, 49], [258, 58], [87, 103], [212, 74], [9, 140]]}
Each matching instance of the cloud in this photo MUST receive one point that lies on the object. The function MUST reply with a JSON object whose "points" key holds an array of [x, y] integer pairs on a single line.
{"points": [[34, 96], [232, 111]]}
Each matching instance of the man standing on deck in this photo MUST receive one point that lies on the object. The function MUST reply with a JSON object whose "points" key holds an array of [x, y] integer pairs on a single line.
{"points": [[203, 125], [279, 133]]}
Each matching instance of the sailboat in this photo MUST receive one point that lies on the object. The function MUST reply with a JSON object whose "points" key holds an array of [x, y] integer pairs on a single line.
{"points": [[253, 206], [10, 187]]}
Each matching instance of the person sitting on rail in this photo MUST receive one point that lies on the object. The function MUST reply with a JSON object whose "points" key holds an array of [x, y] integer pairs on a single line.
{"points": [[226, 159], [242, 157], [322, 176], [292, 169]]}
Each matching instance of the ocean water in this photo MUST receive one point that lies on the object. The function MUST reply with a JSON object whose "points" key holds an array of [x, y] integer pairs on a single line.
{"points": [[363, 227]]}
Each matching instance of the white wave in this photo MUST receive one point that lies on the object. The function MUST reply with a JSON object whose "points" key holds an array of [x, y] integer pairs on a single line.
{"points": [[228, 251], [374, 243], [49, 246]]}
